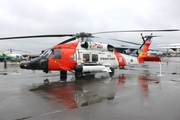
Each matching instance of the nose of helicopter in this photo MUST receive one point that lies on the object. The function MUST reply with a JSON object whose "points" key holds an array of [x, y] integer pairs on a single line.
{"points": [[25, 65], [35, 64]]}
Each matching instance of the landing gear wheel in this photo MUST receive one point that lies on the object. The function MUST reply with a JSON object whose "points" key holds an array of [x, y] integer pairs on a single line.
{"points": [[63, 75], [78, 75], [112, 72]]}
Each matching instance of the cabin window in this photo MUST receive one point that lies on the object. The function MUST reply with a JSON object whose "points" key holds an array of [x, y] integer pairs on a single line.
{"points": [[86, 57], [56, 54], [94, 57]]}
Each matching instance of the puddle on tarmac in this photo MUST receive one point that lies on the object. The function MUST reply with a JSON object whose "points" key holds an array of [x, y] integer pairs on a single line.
{"points": [[76, 93], [3, 73], [13, 72]]}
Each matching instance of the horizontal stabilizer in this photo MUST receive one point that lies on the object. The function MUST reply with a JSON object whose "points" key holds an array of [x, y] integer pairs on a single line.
{"points": [[152, 59]]}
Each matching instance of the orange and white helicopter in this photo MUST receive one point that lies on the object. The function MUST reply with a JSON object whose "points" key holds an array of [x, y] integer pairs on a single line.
{"points": [[84, 56]]}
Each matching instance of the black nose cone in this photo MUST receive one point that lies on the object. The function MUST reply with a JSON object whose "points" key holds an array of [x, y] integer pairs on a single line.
{"points": [[35, 64], [25, 65]]}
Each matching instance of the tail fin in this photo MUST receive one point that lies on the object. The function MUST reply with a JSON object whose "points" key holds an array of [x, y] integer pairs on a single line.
{"points": [[144, 51], [143, 56]]}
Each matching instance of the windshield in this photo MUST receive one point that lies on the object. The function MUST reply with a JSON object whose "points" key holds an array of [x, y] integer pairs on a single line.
{"points": [[46, 53]]}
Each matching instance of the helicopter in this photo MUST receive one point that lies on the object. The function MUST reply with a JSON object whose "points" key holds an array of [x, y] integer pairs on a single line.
{"points": [[84, 56], [3, 56], [11, 56]]}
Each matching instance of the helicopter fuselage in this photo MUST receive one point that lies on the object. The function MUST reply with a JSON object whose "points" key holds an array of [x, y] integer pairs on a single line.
{"points": [[81, 57]]}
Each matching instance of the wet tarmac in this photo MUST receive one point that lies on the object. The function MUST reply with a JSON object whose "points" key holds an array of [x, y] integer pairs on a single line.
{"points": [[133, 93]]}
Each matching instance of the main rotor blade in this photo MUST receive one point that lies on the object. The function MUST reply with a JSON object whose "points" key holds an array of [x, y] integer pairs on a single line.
{"points": [[126, 41], [37, 36], [68, 40], [163, 30]]}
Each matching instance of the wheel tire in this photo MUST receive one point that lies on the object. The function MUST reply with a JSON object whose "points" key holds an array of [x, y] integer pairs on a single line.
{"points": [[63, 73], [78, 75]]}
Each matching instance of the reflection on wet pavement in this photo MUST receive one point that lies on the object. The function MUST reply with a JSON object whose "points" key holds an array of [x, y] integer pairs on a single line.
{"points": [[144, 80], [83, 92], [74, 94], [12, 69]]}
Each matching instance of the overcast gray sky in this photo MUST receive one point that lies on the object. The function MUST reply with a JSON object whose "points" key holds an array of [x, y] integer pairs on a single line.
{"points": [[33, 17]]}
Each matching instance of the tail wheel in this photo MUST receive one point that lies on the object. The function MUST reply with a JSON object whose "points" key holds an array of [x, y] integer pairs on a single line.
{"points": [[78, 75]]}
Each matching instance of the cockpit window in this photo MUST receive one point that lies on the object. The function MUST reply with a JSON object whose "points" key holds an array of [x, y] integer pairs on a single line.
{"points": [[56, 54], [46, 53], [17, 56]]}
